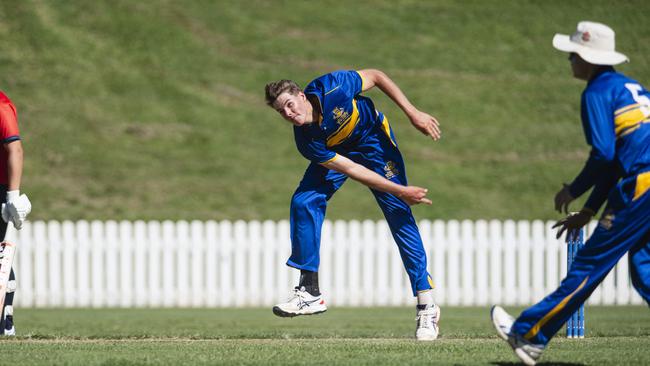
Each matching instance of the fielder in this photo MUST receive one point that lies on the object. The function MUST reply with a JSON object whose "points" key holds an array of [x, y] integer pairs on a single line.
{"points": [[616, 120], [343, 135], [15, 207]]}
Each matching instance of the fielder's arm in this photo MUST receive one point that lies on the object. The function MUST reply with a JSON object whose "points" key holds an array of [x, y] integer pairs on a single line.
{"points": [[14, 151], [410, 194], [17, 206], [424, 122]]}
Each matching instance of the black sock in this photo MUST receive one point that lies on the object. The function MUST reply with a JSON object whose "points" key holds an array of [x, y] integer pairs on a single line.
{"points": [[309, 280]]}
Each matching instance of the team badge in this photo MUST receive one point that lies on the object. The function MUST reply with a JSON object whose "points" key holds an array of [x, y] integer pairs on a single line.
{"points": [[390, 170], [586, 37], [340, 115]]}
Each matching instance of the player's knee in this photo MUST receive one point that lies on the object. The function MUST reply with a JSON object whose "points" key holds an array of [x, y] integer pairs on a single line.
{"points": [[301, 203], [400, 214], [11, 286]]}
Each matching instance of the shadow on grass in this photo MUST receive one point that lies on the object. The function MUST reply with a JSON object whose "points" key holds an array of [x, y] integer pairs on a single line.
{"points": [[539, 363]]}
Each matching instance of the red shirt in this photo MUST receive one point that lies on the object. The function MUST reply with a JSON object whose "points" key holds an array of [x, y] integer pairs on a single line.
{"points": [[8, 132]]}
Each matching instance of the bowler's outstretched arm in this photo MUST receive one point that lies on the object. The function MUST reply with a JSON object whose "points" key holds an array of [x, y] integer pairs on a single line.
{"points": [[424, 122]]}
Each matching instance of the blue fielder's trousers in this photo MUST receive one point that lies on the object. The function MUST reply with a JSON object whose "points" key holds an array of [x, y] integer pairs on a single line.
{"points": [[379, 153], [627, 230]]}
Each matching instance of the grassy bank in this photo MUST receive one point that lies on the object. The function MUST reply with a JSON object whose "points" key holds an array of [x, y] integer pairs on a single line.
{"points": [[154, 110]]}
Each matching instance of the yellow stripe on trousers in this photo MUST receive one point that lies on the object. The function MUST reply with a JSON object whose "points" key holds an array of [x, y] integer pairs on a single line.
{"points": [[535, 329]]}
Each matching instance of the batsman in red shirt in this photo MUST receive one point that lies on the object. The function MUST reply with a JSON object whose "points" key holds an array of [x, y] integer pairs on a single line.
{"points": [[15, 207]]}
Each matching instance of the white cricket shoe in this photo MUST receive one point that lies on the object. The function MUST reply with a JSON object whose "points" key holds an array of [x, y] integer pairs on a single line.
{"points": [[502, 321], [427, 323], [301, 303], [527, 352], [9, 330]]}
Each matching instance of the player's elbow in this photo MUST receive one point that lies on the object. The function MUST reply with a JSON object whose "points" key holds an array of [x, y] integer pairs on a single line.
{"points": [[373, 76], [379, 76]]}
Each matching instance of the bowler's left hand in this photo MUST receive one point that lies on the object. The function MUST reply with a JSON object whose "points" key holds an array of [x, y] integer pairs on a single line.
{"points": [[413, 195], [575, 220], [426, 124]]}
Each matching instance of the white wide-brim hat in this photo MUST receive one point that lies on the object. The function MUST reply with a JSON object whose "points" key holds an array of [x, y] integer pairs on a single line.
{"points": [[594, 42]]}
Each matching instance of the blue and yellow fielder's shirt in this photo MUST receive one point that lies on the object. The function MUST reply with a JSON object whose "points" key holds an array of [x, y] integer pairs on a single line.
{"points": [[615, 113], [347, 117]]}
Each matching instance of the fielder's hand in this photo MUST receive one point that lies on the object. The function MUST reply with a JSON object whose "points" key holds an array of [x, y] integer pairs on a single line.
{"points": [[426, 124], [575, 220], [414, 195], [562, 199], [16, 209]]}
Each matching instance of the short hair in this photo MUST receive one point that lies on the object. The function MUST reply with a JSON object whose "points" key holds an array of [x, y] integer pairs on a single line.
{"points": [[274, 89]]}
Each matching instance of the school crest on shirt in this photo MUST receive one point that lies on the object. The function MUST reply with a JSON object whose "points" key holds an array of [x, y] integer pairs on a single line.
{"points": [[390, 170], [340, 115]]}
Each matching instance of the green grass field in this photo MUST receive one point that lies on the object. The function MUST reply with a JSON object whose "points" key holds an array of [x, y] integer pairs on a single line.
{"points": [[344, 336], [154, 109]]}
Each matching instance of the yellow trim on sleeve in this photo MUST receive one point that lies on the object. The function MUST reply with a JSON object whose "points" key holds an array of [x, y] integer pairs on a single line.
{"points": [[642, 185], [332, 159], [345, 130], [628, 131], [626, 108], [363, 81], [536, 328], [628, 119]]}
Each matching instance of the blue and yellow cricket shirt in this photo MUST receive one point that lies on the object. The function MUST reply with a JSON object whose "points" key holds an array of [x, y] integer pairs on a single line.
{"points": [[615, 113], [346, 116]]}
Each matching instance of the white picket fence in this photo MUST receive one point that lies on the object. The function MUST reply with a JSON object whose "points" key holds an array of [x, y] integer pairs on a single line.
{"points": [[224, 264]]}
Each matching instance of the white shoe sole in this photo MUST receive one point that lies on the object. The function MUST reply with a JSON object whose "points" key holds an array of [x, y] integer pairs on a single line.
{"points": [[426, 338], [523, 356], [520, 353], [288, 314]]}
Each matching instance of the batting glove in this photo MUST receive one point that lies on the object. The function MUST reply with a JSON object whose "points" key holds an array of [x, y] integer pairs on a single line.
{"points": [[16, 209]]}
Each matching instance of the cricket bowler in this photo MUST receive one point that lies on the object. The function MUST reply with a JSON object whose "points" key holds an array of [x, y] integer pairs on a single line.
{"points": [[343, 135], [615, 113]]}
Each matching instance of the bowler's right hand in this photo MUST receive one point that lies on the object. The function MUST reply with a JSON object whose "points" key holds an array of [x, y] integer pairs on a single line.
{"points": [[426, 123]]}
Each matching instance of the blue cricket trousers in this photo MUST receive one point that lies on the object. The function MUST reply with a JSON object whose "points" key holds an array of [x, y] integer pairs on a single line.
{"points": [[628, 230], [379, 153]]}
